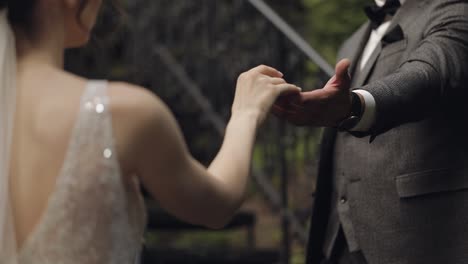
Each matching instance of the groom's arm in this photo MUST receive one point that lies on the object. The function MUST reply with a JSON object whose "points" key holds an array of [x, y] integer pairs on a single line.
{"points": [[433, 76]]}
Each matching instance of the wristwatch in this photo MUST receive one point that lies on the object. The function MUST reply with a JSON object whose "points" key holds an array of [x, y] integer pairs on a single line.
{"points": [[354, 116]]}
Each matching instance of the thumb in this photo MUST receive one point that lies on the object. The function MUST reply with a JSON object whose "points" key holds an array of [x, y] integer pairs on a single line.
{"points": [[342, 80]]}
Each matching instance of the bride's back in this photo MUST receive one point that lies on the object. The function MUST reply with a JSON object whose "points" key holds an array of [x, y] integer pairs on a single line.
{"points": [[71, 201], [47, 109], [66, 198]]}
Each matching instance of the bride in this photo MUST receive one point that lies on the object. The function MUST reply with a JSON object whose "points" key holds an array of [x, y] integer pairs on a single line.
{"points": [[73, 152]]}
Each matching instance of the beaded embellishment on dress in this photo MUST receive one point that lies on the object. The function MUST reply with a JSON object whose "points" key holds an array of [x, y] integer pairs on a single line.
{"points": [[93, 216]]}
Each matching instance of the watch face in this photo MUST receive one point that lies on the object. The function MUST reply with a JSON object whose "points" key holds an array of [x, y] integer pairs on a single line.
{"points": [[355, 115]]}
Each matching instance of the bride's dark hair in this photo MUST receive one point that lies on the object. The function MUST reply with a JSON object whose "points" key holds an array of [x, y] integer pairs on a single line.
{"points": [[20, 11]]}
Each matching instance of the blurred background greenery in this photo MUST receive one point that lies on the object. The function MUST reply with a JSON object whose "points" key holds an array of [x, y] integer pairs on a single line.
{"points": [[190, 53]]}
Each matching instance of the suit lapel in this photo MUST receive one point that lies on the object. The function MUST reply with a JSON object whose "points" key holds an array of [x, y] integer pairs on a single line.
{"points": [[395, 32], [356, 45], [360, 77]]}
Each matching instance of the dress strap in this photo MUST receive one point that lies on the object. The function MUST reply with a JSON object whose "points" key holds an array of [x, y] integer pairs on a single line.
{"points": [[92, 133], [91, 203]]}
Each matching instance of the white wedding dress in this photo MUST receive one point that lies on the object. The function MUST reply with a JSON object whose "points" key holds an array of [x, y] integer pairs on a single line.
{"points": [[95, 215]]}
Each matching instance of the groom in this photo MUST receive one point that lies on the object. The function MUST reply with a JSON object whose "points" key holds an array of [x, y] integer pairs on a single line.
{"points": [[393, 174]]}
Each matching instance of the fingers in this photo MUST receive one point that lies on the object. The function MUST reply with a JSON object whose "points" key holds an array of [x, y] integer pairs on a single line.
{"points": [[280, 85], [266, 70], [315, 96], [341, 69], [276, 80], [342, 78], [287, 88]]}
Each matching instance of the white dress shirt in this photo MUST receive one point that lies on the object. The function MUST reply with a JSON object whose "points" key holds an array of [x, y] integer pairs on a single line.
{"points": [[368, 116]]}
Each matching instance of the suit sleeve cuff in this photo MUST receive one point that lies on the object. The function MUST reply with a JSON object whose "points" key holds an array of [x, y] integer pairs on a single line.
{"points": [[368, 115]]}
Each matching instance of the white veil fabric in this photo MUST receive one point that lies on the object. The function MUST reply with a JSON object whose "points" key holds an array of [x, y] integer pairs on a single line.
{"points": [[8, 246]]}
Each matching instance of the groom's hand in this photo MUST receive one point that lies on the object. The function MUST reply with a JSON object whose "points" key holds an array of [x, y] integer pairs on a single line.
{"points": [[322, 107]]}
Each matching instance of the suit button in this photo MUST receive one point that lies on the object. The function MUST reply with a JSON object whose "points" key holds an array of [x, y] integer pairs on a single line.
{"points": [[343, 200]]}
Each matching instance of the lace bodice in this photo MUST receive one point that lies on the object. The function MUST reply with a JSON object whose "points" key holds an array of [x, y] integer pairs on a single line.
{"points": [[94, 215]]}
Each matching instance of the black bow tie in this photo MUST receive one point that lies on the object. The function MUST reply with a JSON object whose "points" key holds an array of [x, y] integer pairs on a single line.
{"points": [[377, 13]]}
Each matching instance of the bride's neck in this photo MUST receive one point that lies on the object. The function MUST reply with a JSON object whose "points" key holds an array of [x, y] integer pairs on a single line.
{"points": [[46, 47]]}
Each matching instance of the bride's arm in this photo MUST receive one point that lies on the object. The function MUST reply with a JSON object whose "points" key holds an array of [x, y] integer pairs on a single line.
{"points": [[182, 185]]}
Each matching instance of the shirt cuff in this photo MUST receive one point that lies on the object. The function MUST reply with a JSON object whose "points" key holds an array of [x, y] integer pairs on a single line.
{"points": [[368, 115]]}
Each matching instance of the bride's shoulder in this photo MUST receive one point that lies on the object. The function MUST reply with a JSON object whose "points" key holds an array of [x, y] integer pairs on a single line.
{"points": [[131, 100], [140, 119]]}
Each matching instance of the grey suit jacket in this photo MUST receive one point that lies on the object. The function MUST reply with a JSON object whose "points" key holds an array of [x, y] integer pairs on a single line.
{"points": [[408, 176]]}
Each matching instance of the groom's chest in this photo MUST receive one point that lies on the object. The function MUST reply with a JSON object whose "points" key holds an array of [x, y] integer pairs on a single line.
{"points": [[400, 40]]}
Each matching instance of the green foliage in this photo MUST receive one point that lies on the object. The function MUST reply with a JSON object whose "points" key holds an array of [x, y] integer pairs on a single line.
{"points": [[329, 22]]}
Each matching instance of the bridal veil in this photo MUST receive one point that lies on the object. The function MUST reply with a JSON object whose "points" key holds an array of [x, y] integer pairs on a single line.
{"points": [[8, 247]]}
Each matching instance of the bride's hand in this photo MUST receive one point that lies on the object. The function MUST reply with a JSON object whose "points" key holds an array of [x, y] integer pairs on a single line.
{"points": [[257, 90]]}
